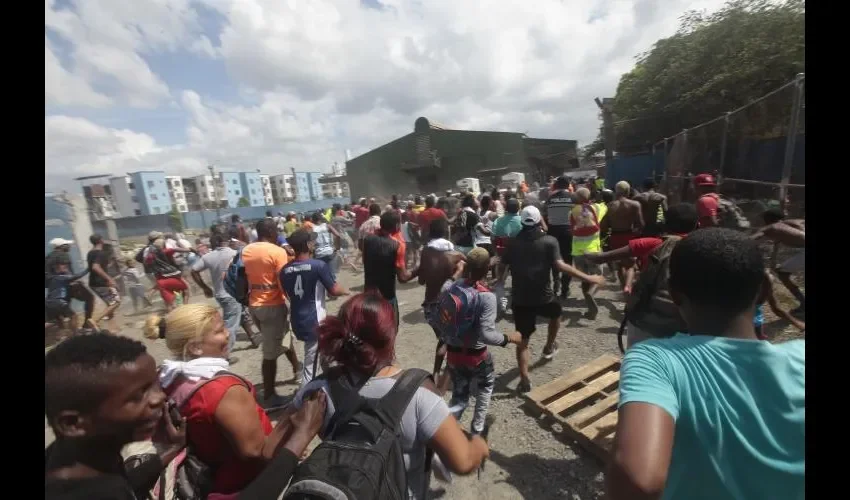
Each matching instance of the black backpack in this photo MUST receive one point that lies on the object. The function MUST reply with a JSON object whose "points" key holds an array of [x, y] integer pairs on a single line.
{"points": [[361, 457], [650, 306]]}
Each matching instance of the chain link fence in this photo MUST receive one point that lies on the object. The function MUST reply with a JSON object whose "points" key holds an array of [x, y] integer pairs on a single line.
{"points": [[756, 152]]}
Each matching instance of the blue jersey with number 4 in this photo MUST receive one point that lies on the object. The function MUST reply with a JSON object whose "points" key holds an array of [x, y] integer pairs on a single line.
{"points": [[305, 282]]}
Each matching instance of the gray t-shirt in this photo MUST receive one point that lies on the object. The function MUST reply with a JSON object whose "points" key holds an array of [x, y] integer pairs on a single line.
{"points": [[217, 261], [487, 333], [423, 416]]}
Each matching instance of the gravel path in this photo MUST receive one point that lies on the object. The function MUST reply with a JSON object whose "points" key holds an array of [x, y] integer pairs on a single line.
{"points": [[527, 459]]}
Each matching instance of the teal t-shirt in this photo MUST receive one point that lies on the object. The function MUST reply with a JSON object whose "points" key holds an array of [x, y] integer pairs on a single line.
{"points": [[507, 225], [740, 413]]}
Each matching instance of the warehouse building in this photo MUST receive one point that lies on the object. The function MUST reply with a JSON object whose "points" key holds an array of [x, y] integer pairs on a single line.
{"points": [[433, 158]]}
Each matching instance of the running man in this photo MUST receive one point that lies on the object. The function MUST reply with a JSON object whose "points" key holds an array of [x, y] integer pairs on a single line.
{"points": [[585, 219], [305, 281], [625, 221], [100, 281], [438, 263], [383, 259], [218, 262], [470, 364], [530, 257], [653, 205], [557, 215], [78, 291], [715, 414], [263, 262], [792, 233]]}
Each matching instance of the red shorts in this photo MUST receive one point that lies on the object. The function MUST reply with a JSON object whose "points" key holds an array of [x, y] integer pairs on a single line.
{"points": [[167, 287], [620, 240]]}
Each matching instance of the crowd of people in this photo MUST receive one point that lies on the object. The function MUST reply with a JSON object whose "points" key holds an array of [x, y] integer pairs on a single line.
{"points": [[707, 407]]}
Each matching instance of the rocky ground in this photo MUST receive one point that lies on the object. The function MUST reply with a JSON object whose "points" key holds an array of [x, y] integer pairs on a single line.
{"points": [[527, 459]]}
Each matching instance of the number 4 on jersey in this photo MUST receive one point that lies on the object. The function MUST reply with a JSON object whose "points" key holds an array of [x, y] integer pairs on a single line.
{"points": [[299, 288]]}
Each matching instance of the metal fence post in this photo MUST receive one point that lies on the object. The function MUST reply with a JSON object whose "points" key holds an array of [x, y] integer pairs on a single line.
{"points": [[791, 140], [723, 149], [686, 166], [664, 180]]}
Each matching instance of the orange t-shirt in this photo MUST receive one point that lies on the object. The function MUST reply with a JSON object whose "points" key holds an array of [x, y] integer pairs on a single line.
{"points": [[402, 250], [307, 225], [263, 262]]}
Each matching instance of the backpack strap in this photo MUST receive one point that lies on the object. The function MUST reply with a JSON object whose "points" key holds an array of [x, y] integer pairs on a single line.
{"points": [[201, 383], [391, 407]]}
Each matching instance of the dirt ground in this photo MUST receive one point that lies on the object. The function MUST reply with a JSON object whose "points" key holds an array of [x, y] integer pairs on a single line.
{"points": [[527, 459]]}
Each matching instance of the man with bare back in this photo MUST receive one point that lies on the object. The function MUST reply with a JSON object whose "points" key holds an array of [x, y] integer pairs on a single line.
{"points": [[625, 220], [791, 233], [438, 262], [653, 205]]}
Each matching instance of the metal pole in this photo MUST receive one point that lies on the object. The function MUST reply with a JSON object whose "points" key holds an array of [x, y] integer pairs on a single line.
{"points": [[664, 173], [791, 141], [723, 149], [686, 168]]}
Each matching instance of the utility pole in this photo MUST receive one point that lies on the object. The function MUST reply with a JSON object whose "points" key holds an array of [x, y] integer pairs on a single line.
{"points": [[215, 194], [606, 105]]}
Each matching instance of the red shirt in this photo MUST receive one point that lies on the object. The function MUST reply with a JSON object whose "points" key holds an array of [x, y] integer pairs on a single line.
{"points": [[426, 216], [707, 208], [208, 441], [642, 248], [361, 215]]}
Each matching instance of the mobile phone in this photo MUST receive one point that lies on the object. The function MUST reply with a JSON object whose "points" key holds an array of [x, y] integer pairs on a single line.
{"points": [[174, 414]]}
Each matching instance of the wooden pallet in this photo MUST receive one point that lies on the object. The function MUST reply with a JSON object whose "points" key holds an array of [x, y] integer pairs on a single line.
{"points": [[584, 402]]}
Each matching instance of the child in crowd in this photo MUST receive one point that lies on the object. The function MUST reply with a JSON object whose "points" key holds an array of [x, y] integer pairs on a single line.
{"points": [[133, 283]]}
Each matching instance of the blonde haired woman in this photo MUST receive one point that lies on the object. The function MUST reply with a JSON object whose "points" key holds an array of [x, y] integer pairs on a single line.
{"points": [[226, 429]]}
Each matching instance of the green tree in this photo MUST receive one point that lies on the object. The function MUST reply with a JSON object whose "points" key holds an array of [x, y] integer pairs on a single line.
{"points": [[175, 219], [715, 63], [243, 202]]}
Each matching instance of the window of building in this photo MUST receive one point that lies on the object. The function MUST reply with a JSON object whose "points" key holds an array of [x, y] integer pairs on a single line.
{"points": [[137, 212], [131, 186], [156, 210], [154, 197], [234, 182], [253, 191], [135, 199], [236, 192], [251, 181], [203, 184], [150, 184]]}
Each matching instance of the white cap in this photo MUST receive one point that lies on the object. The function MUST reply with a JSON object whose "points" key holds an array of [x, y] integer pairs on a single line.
{"points": [[530, 216], [58, 242]]}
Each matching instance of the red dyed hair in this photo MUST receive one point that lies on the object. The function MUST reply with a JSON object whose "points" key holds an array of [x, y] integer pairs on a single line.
{"points": [[371, 321]]}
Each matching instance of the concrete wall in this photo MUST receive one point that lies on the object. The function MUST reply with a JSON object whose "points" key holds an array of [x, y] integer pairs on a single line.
{"points": [[378, 172], [204, 219], [67, 216]]}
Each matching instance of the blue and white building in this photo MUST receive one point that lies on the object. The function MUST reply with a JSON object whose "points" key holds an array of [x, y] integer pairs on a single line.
{"points": [[252, 188], [307, 187]]}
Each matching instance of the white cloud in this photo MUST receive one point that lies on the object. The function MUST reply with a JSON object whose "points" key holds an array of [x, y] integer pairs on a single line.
{"points": [[318, 77]]}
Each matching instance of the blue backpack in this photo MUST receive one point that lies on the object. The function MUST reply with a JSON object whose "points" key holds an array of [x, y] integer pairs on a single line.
{"points": [[235, 280], [459, 306]]}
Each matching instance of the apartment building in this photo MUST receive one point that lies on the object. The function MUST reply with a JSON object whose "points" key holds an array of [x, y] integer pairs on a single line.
{"points": [[268, 197], [335, 190], [282, 188], [141, 193], [176, 192]]}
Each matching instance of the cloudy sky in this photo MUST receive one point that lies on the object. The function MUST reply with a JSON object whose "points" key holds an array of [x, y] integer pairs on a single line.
{"points": [[270, 84]]}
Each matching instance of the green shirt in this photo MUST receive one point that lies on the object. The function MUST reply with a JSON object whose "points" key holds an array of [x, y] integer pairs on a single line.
{"points": [[507, 225]]}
